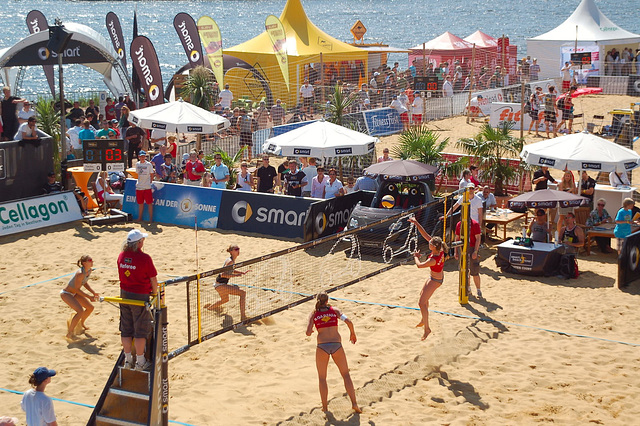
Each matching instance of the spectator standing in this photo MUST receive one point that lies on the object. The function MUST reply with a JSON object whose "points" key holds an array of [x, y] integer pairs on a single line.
{"points": [[138, 281], [534, 70], [172, 147], [262, 116], [587, 187], [86, 133], [385, 156], [319, 183], [118, 107], [624, 219], [465, 180], [35, 403], [158, 161], [219, 173], [8, 107], [25, 113], [306, 95], [402, 111], [277, 113], [244, 178], [265, 176], [27, 131], [567, 184], [541, 178], [283, 169], [105, 131], [294, 180], [534, 112], [168, 170], [417, 108], [93, 110], [74, 139], [310, 172], [550, 111], [158, 138], [565, 105], [76, 112], [193, 169], [226, 97], [135, 136], [110, 110], [246, 126], [144, 195], [334, 187], [566, 75], [474, 176]]}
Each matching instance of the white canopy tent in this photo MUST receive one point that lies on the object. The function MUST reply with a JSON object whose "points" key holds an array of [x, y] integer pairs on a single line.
{"points": [[581, 151], [593, 28], [86, 47], [179, 117], [320, 139]]}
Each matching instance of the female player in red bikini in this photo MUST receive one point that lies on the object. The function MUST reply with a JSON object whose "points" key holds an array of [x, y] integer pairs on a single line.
{"points": [[325, 318], [435, 261]]}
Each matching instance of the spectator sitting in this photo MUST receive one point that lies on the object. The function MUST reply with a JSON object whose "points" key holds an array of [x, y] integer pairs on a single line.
{"points": [[474, 176], [597, 217], [52, 186], [465, 180], [29, 131], [587, 187], [617, 179], [539, 228], [385, 156], [158, 161], [104, 191], [349, 187], [571, 234]]}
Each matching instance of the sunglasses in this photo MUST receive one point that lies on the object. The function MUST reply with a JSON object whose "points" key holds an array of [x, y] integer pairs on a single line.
{"points": [[218, 158], [245, 166], [599, 204]]}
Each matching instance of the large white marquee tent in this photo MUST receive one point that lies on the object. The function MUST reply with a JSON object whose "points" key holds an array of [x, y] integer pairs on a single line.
{"points": [[593, 28]]}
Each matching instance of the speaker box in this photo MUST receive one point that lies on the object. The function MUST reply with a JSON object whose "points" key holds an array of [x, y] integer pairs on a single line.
{"points": [[633, 87]]}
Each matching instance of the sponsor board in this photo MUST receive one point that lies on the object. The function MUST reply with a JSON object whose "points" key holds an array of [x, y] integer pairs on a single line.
{"points": [[280, 130], [38, 212], [503, 112], [629, 260], [75, 52], [327, 217], [382, 121], [488, 97], [277, 215], [177, 204]]}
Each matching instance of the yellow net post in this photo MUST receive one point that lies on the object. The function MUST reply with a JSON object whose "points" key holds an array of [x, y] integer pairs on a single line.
{"points": [[463, 297]]}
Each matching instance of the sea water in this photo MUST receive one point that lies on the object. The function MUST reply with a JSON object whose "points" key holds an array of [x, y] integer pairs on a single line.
{"points": [[399, 23]]}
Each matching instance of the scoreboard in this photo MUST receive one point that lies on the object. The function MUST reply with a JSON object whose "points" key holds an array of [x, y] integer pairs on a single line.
{"points": [[104, 154], [425, 84], [582, 58]]}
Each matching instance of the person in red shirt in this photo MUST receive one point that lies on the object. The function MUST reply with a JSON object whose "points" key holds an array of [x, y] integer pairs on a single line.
{"points": [[325, 319], [193, 170], [475, 235], [110, 110], [138, 280], [435, 261]]}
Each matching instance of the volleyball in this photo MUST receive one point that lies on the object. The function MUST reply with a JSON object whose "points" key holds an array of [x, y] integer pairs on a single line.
{"points": [[388, 201]]}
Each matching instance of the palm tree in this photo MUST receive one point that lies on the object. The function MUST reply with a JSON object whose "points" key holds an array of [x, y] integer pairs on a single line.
{"points": [[49, 122], [422, 144], [229, 161], [338, 105], [491, 146], [198, 89]]}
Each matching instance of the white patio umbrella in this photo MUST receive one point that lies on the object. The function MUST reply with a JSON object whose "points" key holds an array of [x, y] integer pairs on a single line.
{"points": [[320, 139], [179, 117], [581, 151]]}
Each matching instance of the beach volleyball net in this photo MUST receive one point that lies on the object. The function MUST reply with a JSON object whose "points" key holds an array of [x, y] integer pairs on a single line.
{"points": [[275, 282]]}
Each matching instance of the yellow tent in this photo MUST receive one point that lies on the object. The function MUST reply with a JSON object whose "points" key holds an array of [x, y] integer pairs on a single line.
{"points": [[309, 50]]}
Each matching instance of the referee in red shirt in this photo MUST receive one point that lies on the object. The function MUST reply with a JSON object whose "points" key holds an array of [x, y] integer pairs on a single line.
{"points": [[138, 280]]}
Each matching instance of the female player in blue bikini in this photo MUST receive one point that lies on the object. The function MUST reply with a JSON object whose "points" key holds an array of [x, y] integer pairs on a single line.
{"points": [[325, 319], [77, 299], [435, 261]]}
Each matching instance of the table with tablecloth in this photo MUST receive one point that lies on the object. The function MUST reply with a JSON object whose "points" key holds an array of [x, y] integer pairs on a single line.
{"points": [[541, 259]]}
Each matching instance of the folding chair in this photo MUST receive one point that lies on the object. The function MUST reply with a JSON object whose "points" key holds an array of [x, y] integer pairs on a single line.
{"points": [[104, 205], [592, 127]]}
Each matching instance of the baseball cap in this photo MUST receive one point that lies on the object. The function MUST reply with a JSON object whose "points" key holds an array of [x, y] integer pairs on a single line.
{"points": [[43, 373], [471, 185], [142, 153], [51, 174], [114, 121], [136, 235]]}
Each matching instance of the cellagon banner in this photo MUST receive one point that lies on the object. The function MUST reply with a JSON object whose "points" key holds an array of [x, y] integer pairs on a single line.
{"points": [[278, 215], [278, 38], [177, 204], [629, 260], [330, 216], [38, 212], [117, 39], [382, 121], [147, 67], [187, 31], [210, 35], [36, 22]]}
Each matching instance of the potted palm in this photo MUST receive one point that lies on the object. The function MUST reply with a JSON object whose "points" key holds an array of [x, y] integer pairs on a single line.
{"points": [[198, 90], [491, 147]]}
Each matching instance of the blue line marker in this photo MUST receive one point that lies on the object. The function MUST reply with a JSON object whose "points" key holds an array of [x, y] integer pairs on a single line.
{"points": [[81, 404]]}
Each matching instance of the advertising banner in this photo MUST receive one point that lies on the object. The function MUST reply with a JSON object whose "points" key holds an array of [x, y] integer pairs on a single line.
{"points": [[629, 260], [76, 52], [147, 67], [382, 121], [269, 214], [278, 38], [210, 34], [177, 204], [159, 407], [187, 31], [279, 130], [330, 216], [501, 112], [36, 23], [488, 97], [117, 39], [587, 68], [38, 212]]}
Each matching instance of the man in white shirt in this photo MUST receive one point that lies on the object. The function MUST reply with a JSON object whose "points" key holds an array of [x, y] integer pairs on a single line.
{"points": [[158, 137], [619, 179], [475, 205], [25, 113], [27, 131], [225, 97], [417, 108], [73, 135], [309, 173], [306, 93], [145, 172], [447, 87]]}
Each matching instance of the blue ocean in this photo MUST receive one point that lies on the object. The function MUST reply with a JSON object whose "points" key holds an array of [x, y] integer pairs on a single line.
{"points": [[400, 23]]}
